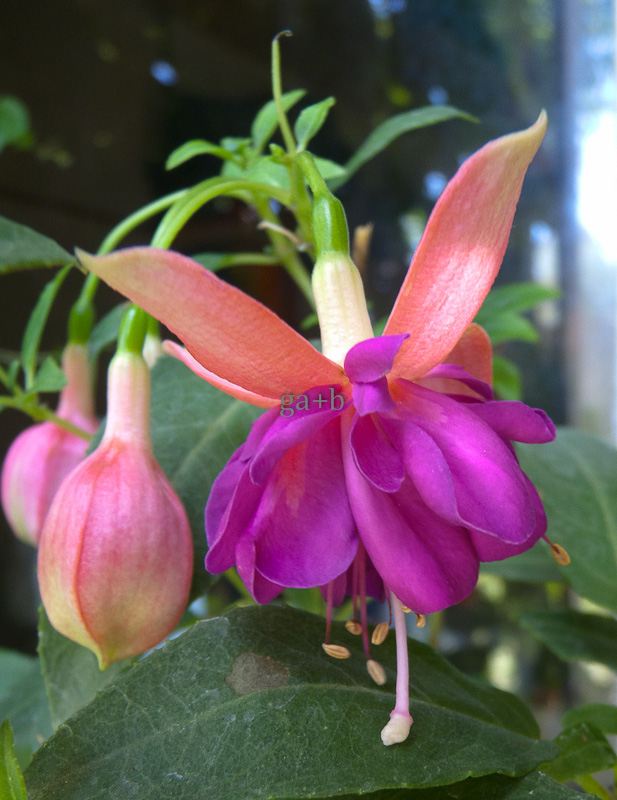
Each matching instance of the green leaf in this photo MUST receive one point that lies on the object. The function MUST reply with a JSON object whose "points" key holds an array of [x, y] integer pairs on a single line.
{"points": [[266, 122], [14, 122], [574, 636], [514, 298], [105, 332], [493, 787], [23, 248], [394, 127], [195, 430], [248, 704], [217, 261], [509, 328], [196, 147], [12, 786], [584, 750], [36, 323], [506, 379], [329, 170], [310, 120], [576, 476], [534, 566], [71, 672], [23, 701], [49, 377], [601, 716]]}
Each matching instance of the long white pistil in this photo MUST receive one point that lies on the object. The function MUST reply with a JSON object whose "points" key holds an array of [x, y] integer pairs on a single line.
{"points": [[397, 729]]}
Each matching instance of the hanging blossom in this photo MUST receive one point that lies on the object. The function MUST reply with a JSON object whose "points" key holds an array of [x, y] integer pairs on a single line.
{"points": [[383, 467]]}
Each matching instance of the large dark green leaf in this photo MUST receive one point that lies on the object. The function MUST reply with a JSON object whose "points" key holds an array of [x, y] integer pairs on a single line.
{"points": [[195, 430], [394, 127], [576, 476], [574, 636], [12, 785], [23, 702], [23, 248], [493, 787], [71, 672], [248, 706]]}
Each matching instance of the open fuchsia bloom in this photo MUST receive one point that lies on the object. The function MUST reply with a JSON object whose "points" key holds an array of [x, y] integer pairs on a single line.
{"points": [[116, 554], [43, 455], [383, 467]]}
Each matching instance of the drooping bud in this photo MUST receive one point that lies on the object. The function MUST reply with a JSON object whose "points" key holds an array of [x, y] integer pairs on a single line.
{"points": [[43, 455], [116, 554]]}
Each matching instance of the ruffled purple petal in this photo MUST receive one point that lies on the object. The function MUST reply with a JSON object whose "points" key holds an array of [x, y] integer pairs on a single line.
{"points": [[489, 488], [304, 532], [310, 412], [427, 563], [455, 373], [375, 456], [516, 421], [371, 397], [372, 359]]}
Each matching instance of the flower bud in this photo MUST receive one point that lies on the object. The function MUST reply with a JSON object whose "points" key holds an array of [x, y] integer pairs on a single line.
{"points": [[43, 455], [116, 553]]}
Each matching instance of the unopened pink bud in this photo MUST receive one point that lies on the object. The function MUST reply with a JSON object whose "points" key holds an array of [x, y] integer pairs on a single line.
{"points": [[43, 455], [116, 553]]}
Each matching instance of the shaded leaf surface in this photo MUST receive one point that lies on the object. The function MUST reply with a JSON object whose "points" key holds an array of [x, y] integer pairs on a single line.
{"points": [[584, 750], [70, 671], [23, 248], [492, 787], [574, 636], [601, 716], [248, 706], [24, 703], [576, 476], [534, 566], [195, 430]]}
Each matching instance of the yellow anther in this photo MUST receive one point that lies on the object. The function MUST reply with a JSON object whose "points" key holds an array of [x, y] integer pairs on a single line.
{"points": [[406, 610], [560, 554], [376, 671], [353, 626], [336, 650], [380, 632], [420, 620]]}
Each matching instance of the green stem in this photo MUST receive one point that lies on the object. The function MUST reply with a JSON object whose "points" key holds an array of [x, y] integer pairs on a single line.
{"points": [[591, 785], [286, 252], [277, 92], [302, 202], [133, 220], [42, 414], [235, 580]]}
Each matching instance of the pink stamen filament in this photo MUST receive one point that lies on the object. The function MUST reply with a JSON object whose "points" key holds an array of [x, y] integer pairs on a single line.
{"points": [[363, 617]]}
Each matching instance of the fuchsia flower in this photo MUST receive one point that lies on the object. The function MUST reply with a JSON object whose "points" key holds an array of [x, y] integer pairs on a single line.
{"points": [[116, 553], [394, 471], [43, 455]]}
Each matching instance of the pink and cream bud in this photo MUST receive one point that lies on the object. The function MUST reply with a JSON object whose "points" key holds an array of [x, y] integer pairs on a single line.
{"points": [[116, 554], [43, 455]]}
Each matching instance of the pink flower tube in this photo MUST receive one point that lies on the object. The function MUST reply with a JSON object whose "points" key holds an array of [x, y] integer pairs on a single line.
{"points": [[43, 455], [116, 554]]}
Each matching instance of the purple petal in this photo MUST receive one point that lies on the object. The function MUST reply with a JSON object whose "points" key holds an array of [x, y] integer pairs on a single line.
{"points": [[338, 588], [261, 589], [372, 359], [375, 456], [455, 373], [427, 563], [304, 531], [490, 548], [516, 421], [489, 488], [309, 412], [371, 397]]}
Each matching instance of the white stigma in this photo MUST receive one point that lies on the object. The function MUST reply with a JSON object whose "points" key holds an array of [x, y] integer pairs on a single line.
{"points": [[397, 729]]}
